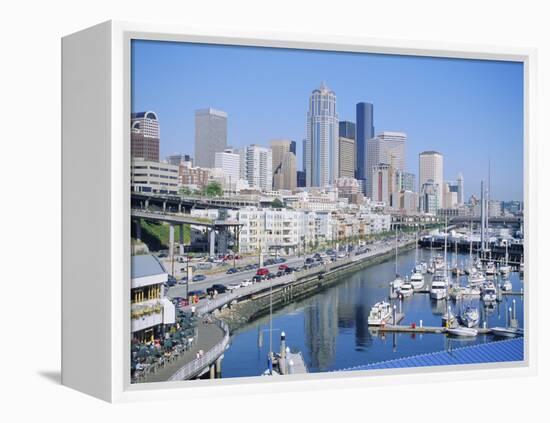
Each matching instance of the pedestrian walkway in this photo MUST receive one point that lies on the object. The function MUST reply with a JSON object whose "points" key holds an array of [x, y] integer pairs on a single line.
{"points": [[208, 335]]}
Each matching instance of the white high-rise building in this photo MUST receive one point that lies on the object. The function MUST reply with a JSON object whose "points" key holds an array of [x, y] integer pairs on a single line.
{"points": [[257, 167], [430, 164], [230, 163], [460, 190], [210, 135], [322, 138], [388, 148]]}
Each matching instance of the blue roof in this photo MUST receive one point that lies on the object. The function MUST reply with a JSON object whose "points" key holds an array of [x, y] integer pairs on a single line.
{"points": [[146, 265], [492, 352]]}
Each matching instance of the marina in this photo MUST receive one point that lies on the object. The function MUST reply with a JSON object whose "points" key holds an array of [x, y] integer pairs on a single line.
{"points": [[331, 329]]}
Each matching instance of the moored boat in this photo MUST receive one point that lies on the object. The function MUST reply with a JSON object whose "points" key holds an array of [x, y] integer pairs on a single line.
{"points": [[462, 331], [380, 314]]}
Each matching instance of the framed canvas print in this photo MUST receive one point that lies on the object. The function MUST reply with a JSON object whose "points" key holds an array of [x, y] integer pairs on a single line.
{"points": [[259, 212]]}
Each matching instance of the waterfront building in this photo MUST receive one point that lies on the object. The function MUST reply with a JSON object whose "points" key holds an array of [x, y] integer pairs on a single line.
{"points": [[350, 189], [153, 177], [283, 164], [494, 208], [256, 167], [150, 309], [346, 129], [230, 163], [322, 138], [407, 201], [145, 136], [450, 196], [346, 154], [388, 148], [178, 158], [431, 169], [210, 135], [364, 131]]}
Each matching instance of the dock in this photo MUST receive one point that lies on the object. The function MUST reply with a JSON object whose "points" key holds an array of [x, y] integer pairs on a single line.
{"points": [[298, 364], [424, 329]]}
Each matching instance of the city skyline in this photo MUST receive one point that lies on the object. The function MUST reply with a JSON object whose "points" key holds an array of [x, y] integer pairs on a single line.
{"points": [[175, 79]]}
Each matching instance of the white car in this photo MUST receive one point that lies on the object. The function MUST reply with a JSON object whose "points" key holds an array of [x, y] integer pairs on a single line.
{"points": [[233, 286], [246, 282]]}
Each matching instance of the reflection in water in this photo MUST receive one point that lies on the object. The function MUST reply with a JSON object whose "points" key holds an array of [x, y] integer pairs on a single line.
{"points": [[321, 329], [331, 330]]}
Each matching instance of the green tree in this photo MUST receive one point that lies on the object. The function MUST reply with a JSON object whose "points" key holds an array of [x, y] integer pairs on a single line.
{"points": [[277, 204], [184, 191], [213, 189]]}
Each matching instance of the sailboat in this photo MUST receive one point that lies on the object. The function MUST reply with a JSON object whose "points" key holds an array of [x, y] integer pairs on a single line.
{"points": [[417, 277], [398, 281], [440, 281], [506, 285], [506, 268]]}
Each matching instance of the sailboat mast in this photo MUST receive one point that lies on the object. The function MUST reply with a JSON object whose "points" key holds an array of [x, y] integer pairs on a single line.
{"points": [[396, 250], [445, 248]]}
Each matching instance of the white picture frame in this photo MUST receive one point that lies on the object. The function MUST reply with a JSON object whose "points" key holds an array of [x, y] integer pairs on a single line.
{"points": [[96, 190]]}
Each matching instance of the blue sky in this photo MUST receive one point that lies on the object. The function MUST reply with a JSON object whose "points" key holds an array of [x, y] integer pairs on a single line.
{"points": [[469, 110]]}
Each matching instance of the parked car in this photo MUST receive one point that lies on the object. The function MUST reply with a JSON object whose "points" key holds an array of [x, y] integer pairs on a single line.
{"points": [[246, 282], [231, 271], [257, 278], [218, 287], [280, 273], [233, 286], [270, 276], [262, 272], [289, 270], [197, 292], [171, 281], [198, 278], [283, 267]]}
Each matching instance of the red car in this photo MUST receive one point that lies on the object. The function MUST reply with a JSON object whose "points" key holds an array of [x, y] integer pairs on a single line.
{"points": [[283, 267], [263, 271]]}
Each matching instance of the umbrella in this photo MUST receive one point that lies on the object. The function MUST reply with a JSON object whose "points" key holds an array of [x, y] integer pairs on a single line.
{"points": [[143, 352], [168, 344]]}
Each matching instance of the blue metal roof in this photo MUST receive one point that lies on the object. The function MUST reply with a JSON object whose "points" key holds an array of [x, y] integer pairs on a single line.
{"points": [[146, 265], [492, 352]]}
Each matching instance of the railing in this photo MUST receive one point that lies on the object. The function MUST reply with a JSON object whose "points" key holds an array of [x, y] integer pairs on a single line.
{"points": [[194, 367]]}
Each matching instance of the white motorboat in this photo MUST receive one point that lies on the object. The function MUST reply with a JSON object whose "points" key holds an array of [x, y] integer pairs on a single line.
{"points": [[438, 263], [506, 285], [406, 289], [470, 317], [471, 291], [380, 313], [397, 283], [417, 280], [489, 293], [475, 278], [506, 268], [490, 269], [438, 291], [462, 331], [507, 332]]}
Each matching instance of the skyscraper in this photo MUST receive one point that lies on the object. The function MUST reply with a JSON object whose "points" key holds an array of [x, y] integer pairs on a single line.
{"points": [[460, 191], [430, 168], [346, 154], [388, 148], [364, 131], [283, 164], [210, 135], [322, 138], [145, 136], [257, 167], [230, 163], [346, 129]]}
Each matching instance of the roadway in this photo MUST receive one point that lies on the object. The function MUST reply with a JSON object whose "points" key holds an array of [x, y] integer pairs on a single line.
{"points": [[180, 289]]}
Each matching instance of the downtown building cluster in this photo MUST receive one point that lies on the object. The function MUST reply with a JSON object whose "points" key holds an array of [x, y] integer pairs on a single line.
{"points": [[352, 178]]}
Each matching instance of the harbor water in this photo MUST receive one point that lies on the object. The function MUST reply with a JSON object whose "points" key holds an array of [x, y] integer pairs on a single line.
{"points": [[331, 330]]}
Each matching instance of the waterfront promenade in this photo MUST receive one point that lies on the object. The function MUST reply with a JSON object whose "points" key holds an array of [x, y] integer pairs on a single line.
{"points": [[209, 335]]}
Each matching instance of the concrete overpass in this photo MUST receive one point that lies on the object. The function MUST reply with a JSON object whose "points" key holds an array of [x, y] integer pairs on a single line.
{"points": [[184, 219]]}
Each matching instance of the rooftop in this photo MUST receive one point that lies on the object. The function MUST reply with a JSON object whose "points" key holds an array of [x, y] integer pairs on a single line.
{"points": [[146, 265], [492, 352]]}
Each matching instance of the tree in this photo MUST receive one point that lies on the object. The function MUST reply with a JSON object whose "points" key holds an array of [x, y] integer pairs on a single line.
{"points": [[184, 191], [213, 189], [277, 204]]}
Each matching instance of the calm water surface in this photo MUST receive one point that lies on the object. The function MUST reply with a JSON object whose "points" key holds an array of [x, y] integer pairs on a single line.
{"points": [[331, 330]]}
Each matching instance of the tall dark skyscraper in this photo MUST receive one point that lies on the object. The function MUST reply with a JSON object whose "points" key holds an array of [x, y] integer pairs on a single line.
{"points": [[364, 132], [293, 147], [346, 129]]}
